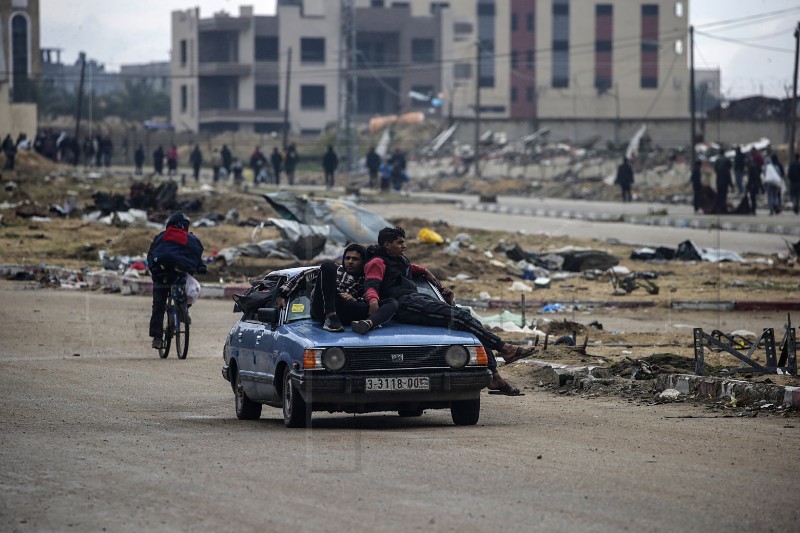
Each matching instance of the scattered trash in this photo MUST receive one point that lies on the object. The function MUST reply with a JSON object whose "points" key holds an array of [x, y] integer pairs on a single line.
{"points": [[428, 236], [520, 286], [552, 308], [669, 395]]}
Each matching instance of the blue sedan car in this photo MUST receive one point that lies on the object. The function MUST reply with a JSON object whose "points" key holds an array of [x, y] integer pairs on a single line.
{"points": [[283, 358]]}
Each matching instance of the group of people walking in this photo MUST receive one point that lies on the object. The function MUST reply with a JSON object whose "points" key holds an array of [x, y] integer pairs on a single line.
{"points": [[764, 175]]}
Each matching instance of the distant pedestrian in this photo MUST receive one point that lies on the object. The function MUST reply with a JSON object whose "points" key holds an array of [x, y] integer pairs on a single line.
{"points": [[227, 158], [138, 160], [329, 163], [257, 162], [696, 180], [754, 185], [373, 165], [277, 164], [172, 161], [738, 169], [10, 150], [722, 169], [773, 181], [793, 174], [158, 161], [398, 171], [625, 179], [88, 152], [196, 160], [290, 162], [216, 166], [106, 150]]}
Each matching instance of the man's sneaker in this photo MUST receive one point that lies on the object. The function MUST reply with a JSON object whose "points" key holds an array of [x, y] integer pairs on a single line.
{"points": [[361, 326], [157, 343], [332, 323]]}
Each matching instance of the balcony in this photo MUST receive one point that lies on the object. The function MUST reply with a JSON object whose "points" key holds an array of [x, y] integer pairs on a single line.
{"points": [[209, 116], [216, 68]]}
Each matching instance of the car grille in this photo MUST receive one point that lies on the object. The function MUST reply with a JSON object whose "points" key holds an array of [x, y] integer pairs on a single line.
{"points": [[387, 357]]}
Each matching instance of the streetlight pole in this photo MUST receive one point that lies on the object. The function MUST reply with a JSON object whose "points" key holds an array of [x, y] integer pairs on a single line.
{"points": [[691, 97], [478, 110], [794, 92]]}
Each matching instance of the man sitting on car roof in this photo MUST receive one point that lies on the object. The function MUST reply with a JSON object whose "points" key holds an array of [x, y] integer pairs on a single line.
{"points": [[338, 296], [388, 275]]}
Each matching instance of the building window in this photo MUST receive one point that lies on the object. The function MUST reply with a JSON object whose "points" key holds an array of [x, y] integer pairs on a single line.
{"points": [[312, 96], [529, 24], [312, 50], [603, 46], [462, 27], [649, 47], [267, 49], [184, 98], [184, 53], [376, 3], [513, 94], [530, 94], [438, 6], [560, 44], [401, 5], [462, 71], [486, 37], [513, 22], [529, 59], [514, 59], [422, 50], [267, 97]]}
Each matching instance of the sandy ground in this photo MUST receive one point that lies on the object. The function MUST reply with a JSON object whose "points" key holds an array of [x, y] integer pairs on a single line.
{"points": [[97, 433]]}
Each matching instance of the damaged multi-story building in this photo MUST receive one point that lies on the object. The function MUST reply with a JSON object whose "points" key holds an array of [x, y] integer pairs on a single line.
{"points": [[579, 67]]}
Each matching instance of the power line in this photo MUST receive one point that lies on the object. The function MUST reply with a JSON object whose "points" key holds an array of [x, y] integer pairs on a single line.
{"points": [[745, 43]]}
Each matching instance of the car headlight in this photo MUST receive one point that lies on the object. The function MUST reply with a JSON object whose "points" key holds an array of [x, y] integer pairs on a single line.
{"points": [[456, 356], [334, 359]]}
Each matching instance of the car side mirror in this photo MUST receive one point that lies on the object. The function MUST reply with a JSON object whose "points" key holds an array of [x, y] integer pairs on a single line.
{"points": [[268, 315]]}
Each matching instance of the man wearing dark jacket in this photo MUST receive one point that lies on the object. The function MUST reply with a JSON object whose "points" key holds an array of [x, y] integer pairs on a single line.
{"points": [[794, 183], [329, 163], [389, 275], [625, 179], [173, 253]]}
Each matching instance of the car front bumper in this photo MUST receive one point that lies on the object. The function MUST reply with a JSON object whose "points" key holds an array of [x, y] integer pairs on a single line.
{"points": [[320, 388]]}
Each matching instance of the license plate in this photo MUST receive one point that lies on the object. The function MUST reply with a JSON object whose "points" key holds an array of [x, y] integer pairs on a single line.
{"points": [[397, 384]]}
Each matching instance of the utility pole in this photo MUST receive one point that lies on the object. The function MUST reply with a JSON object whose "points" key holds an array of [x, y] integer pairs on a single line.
{"points": [[286, 98], [616, 122], [352, 96], [692, 153], [794, 93], [82, 58], [478, 110]]}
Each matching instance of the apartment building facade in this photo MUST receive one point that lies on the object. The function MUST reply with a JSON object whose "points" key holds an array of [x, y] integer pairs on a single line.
{"points": [[534, 60], [19, 65], [232, 72]]}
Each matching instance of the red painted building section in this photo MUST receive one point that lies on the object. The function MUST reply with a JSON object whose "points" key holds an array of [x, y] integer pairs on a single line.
{"points": [[649, 64], [523, 70], [603, 48]]}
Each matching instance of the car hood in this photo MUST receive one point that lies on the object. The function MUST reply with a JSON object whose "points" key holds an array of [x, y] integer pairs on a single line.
{"points": [[391, 334]]}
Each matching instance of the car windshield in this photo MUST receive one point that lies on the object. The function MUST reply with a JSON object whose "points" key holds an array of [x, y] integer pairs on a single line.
{"points": [[298, 307]]}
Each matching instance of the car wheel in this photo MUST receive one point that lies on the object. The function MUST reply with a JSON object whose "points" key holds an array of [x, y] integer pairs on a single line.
{"points": [[295, 412], [410, 413], [465, 412], [246, 409]]}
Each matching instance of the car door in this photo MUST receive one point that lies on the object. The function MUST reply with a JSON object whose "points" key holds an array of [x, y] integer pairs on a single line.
{"points": [[246, 339], [264, 359]]}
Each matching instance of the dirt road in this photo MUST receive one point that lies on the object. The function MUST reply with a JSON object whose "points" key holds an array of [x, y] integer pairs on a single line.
{"points": [[97, 433]]}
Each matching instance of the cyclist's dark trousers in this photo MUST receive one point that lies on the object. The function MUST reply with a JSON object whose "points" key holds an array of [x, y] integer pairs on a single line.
{"points": [[326, 300], [421, 309], [161, 286]]}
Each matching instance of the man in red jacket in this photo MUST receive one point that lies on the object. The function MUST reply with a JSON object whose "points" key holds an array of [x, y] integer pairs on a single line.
{"points": [[389, 275], [173, 253]]}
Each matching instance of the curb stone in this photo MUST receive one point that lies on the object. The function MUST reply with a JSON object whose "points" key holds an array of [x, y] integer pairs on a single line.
{"points": [[706, 387]]}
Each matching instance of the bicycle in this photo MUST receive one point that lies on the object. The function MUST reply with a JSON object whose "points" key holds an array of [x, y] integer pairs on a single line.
{"points": [[176, 321]]}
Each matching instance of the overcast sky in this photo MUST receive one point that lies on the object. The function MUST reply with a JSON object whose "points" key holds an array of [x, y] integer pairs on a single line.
{"points": [[755, 55]]}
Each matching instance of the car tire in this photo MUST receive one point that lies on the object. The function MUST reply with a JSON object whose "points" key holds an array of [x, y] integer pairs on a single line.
{"points": [[465, 412], [246, 409], [295, 411], [411, 413]]}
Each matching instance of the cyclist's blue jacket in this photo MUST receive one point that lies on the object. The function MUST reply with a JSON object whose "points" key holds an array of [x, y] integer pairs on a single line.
{"points": [[175, 248]]}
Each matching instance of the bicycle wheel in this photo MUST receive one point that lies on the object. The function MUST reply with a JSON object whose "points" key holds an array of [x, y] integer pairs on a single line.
{"points": [[182, 330], [166, 335]]}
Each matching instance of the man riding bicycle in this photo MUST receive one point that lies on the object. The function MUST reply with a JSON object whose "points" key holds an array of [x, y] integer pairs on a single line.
{"points": [[173, 253]]}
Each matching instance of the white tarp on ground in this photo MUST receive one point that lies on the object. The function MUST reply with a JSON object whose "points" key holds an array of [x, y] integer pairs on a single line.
{"points": [[347, 221], [298, 241]]}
